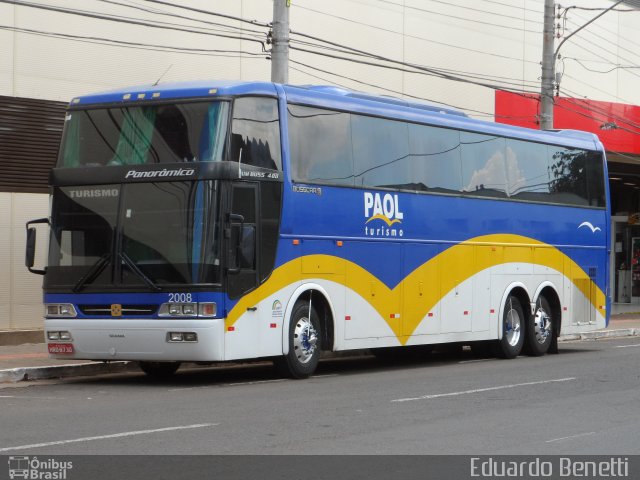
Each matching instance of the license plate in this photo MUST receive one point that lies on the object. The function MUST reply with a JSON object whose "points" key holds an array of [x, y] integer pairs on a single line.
{"points": [[60, 348]]}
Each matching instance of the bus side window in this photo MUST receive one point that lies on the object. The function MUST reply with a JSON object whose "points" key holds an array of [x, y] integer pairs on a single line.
{"points": [[255, 132]]}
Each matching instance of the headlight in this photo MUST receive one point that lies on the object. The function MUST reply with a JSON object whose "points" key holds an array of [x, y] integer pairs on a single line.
{"points": [[60, 310], [178, 310]]}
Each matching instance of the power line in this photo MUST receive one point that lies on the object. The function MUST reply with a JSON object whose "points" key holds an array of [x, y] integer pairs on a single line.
{"points": [[615, 67], [413, 36], [416, 69], [427, 70], [124, 20], [395, 92], [208, 12], [524, 9], [597, 55], [593, 113], [137, 45], [345, 50], [433, 12], [575, 99], [617, 33], [617, 45], [174, 15]]}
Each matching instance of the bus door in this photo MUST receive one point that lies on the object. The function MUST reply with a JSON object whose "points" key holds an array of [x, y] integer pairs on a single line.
{"points": [[241, 237]]}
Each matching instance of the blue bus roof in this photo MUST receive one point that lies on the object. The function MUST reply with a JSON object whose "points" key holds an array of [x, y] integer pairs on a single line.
{"points": [[341, 99]]}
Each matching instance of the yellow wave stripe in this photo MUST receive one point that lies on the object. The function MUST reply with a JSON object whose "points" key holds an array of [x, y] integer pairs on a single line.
{"points": [[453, 266], [384, 219]]}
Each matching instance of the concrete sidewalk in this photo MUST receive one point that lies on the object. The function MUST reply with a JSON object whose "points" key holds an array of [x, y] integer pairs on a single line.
{"points": [[30, 361]]}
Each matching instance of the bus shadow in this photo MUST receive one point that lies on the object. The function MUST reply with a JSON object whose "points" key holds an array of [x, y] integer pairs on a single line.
{"points": [[263, 371]]}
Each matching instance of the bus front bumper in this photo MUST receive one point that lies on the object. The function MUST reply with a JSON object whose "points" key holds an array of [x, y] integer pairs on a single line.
{"points": [[137, 339]]}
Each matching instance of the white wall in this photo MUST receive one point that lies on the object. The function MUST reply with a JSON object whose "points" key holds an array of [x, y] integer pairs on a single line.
{"points": [[498, 41], [20, 291]]}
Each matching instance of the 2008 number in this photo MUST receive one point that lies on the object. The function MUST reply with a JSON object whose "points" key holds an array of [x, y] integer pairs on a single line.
{"points": [[180, 298]]}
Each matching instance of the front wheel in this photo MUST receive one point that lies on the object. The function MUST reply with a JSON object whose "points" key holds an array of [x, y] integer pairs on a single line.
{"points": [[513, 324], [304, 342], [540, 329]]}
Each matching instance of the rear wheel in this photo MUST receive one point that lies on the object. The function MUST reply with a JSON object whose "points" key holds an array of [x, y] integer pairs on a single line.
{"points": [[513, 324], [540, 329], [159, 370], [304, 342]]}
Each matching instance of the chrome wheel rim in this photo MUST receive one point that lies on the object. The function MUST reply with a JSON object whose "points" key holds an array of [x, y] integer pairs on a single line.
{"points": [[542, 325], [513, 327], [305, 339]]}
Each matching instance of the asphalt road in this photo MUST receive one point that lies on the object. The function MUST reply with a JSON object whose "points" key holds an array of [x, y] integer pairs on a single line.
{"points": [[586, 400]]}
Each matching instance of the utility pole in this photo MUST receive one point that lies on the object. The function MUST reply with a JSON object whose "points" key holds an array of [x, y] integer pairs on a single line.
{"points": [[280, 40], [549, 56], [548, 67]]}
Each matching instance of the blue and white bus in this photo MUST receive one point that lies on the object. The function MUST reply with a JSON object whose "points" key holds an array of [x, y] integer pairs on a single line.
{"points": [[206, 222]]}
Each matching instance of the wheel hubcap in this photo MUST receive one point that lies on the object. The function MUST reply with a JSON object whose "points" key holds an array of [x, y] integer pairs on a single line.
{"points": [[542, 325], [305, 338], [513, 327]]}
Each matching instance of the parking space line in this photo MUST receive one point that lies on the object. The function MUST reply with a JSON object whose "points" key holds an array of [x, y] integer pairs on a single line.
{"points": [[481, 390], [106, 437], [570, 437]]}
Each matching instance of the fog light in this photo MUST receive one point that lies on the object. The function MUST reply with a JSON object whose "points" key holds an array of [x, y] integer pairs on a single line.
{"points": [[65, 336], [190, 337], [189, 309], [175, 337], [53, 335]]}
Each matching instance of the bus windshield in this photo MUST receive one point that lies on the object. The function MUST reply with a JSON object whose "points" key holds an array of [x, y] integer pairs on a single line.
{"points": [[149, 134], [139, 235]]}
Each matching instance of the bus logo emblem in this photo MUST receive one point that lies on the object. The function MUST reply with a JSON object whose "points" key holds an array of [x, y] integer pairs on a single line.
{"points": [[116, 310], [384, 208]]}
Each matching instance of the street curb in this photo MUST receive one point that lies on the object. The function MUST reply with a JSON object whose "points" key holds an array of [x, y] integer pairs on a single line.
{"points": [[22, 374], [622, 332]]}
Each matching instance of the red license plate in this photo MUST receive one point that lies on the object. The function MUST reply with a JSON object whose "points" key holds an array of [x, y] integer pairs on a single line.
{"points": [[58, 348]]}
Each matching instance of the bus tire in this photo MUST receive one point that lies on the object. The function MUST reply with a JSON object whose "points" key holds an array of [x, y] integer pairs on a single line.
{"points": [[540, 329], [304, 342], [159, 370], [513, 325]]}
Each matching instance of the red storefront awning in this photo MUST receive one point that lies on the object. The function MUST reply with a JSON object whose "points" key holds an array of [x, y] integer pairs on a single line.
{"points": [[617, 124]]}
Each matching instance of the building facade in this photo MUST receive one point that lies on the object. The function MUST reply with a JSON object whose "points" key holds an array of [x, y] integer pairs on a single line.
{"points": [[455, 53]]}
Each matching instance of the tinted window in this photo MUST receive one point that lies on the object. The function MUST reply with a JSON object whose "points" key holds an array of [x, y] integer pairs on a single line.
{"points": [[527, 170], [255, 135], [380, 152], [434, 161], [320, 145], [483, 165], [136, 135], [595, 180], [568, 171]]}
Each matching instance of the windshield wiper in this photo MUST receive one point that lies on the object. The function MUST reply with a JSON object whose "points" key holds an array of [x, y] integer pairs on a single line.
{"points": [[95, 270], [130, 263]]}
